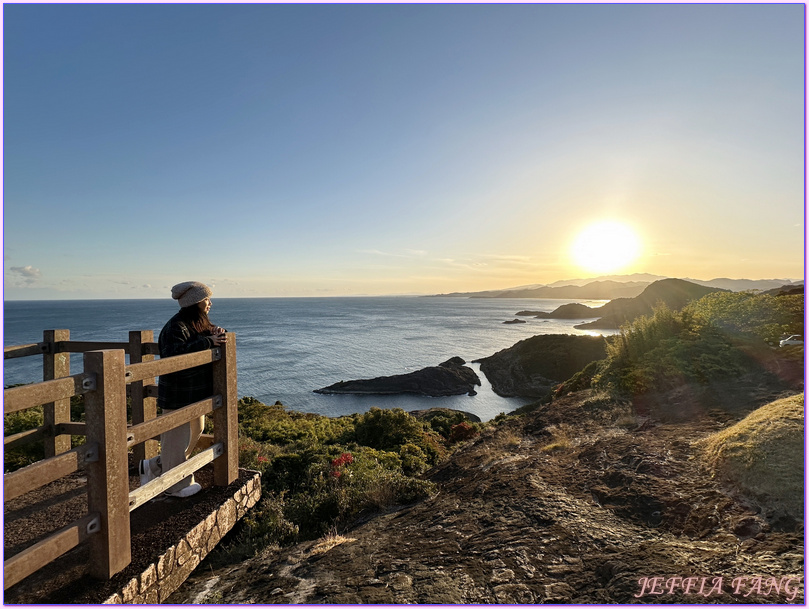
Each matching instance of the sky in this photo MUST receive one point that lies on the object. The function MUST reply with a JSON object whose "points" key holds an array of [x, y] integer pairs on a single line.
{"points": [[325, 150]]}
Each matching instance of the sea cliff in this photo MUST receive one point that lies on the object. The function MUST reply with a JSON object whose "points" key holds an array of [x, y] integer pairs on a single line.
{"points": [[534, 366]]}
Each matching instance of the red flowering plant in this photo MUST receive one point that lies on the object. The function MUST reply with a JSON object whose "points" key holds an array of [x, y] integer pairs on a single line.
{"points": [[338, 465], [255, 455], [462, 431]]}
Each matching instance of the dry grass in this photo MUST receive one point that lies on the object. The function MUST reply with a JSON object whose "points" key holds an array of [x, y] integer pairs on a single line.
{"points": [[562, 438], [598, 398], [763, 454], [330, 540], [381, 494], [510, 440], [498, 443]]}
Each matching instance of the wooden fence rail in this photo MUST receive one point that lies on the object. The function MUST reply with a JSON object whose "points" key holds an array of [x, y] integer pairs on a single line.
{"points": [[44, 472], [105, 384], [25, 350], [28, 396]]}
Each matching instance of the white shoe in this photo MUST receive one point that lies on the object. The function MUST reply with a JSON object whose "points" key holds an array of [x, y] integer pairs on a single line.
{"points": [[149, 469], [191, 489]]}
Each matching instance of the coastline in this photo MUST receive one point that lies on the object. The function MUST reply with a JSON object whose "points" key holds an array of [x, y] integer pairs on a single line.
{"points": [[288, 347]]}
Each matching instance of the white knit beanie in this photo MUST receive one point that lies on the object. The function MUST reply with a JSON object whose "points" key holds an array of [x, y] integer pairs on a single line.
{"points": [[190, 292]]}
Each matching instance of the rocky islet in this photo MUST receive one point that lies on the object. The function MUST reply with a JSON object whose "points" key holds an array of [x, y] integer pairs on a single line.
{"points": [[451, 377]]}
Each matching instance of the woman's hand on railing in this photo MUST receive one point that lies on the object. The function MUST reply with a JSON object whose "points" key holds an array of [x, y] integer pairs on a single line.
{"points": [[218, 335]]}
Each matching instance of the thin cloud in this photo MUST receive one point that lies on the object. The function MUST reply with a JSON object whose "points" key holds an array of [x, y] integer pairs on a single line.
{"points": [[28, 273], [507, 257], [464, 264], [381, 253]]}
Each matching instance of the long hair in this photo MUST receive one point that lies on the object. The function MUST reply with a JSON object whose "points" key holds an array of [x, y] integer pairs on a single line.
{"points": [[196, 317]]}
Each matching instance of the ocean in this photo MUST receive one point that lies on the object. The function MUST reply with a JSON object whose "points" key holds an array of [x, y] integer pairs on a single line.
{"points": [[288, 347]]}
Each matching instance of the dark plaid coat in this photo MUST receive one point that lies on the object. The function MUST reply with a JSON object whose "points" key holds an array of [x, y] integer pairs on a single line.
{"points": [[185, 387]]}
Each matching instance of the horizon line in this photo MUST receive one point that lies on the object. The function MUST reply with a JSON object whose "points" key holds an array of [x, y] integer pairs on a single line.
{"points": [[410, 294]]}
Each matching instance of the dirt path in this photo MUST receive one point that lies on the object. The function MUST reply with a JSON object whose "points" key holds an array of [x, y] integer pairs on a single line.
{"points": [[532, 512]]}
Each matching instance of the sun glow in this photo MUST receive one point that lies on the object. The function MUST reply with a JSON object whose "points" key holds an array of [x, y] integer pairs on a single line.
{"points": [[605, 247]]}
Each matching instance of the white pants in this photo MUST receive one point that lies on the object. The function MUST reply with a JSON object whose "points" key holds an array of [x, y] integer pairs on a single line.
{"points": [[176, 446]]}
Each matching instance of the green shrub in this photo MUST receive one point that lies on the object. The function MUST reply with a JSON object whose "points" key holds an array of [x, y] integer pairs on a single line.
{"points": [[31, 418], [583, 379], [387, 429], [262, 526], [335, 493], [665, 350], [414, 461], [17, 422], [320, 473], [392, 429], [441, 421], [762, 316], [709, 339], [278, 425]]}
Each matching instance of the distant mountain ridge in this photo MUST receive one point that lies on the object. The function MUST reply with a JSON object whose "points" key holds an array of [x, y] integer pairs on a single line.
{"points": [[740, 285], [617, 286], [596, 290], [646, 278]]}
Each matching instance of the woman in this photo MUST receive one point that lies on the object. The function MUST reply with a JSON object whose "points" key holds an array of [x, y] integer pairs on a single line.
{"points": [[188, 331]]}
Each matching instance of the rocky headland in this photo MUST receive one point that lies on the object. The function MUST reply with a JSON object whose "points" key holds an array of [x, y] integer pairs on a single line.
{"points": [[674, 293], [451, 377], [572, 310], [534, 366]]}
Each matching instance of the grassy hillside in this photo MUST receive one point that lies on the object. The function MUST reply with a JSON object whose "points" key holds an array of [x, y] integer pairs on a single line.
{"points": [[763, 455], [719, 337], [668, 349]]}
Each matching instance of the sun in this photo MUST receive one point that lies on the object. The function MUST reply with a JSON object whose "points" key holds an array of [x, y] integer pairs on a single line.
{"points": [[607, 246]]}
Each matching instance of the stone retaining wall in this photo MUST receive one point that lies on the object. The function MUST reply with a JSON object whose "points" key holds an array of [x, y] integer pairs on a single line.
{"points": [[164, 576]]}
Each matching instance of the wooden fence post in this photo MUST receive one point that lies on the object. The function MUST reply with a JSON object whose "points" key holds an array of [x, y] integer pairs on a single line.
{"points": [[225, 418], [108, 477], [54, 366], [143, 408]]}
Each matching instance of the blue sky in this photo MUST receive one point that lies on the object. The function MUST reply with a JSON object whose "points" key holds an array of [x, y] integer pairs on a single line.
{"points": [[296, 150]]}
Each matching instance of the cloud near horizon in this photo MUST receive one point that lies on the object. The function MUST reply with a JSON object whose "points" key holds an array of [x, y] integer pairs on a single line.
{"points": [[28, 273]]}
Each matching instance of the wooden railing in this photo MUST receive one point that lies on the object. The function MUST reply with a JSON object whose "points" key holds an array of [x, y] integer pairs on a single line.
{"points": [[105, 384]]}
